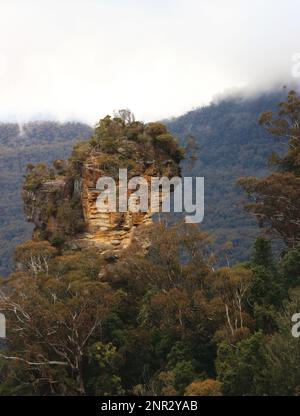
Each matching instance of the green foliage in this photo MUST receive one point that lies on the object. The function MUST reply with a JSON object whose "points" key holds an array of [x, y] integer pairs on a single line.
{"points": [[268, 286], [241, 367], [290, 265], [102, 364], [262, 253], [184, 373], [283, 353]]}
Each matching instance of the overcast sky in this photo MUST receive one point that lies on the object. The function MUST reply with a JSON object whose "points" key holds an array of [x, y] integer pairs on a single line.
{"points": [[82, 59]]}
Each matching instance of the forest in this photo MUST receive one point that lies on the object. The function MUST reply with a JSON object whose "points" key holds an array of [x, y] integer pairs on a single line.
{"points": [[172, 320]]}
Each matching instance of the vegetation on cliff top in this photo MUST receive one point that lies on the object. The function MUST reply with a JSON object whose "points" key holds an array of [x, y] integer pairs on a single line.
{"points": [[125, 142]]}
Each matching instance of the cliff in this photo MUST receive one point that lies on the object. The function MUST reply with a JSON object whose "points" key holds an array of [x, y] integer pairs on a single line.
{"points": [[61, 200]]}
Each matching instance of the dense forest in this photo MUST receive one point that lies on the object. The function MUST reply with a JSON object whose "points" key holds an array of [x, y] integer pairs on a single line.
{"points": [[228, 143], [169, 321]]}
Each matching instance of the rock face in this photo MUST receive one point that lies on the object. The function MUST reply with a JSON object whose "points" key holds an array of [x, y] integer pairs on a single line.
{"points": [[111, 231], [62, 203]]}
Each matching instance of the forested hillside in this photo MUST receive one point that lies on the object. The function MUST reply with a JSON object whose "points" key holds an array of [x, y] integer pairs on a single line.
{"points": [[19, 145], [229, 143]]}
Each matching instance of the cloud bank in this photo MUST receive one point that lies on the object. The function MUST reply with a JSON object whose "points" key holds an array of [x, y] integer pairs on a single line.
{"points": [[82, 59]]}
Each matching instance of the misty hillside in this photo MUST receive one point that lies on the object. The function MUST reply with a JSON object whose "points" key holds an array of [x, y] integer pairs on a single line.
{"points": [[230, 144]]}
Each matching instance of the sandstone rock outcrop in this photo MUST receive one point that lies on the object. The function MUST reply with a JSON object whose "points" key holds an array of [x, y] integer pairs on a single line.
{"points": [[62, 204]]}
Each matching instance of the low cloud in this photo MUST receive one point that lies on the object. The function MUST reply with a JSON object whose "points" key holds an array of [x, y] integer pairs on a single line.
{"points": [[82, 59]]}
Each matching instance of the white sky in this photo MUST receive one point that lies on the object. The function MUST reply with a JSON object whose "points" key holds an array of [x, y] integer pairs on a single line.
{"points": [[82, 59]]}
